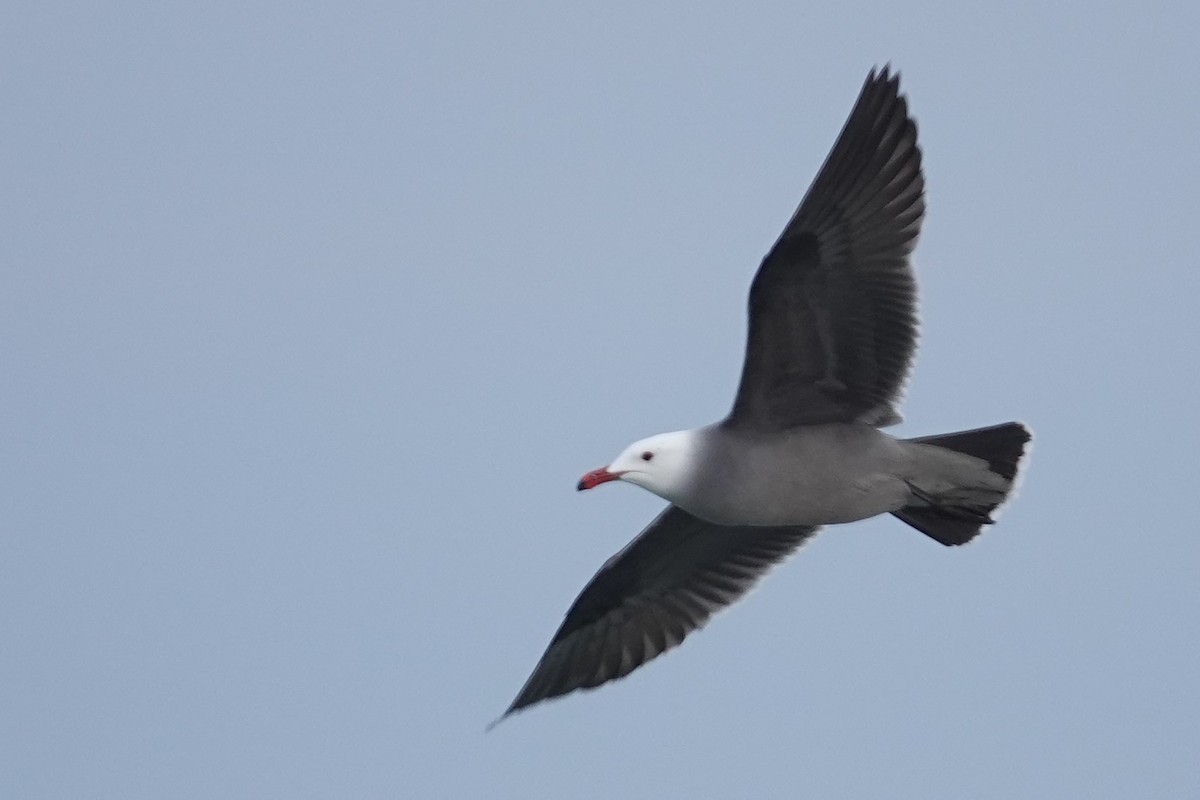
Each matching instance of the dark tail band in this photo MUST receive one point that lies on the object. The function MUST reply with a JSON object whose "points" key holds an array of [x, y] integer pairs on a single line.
{"points": [[1002, 447]]}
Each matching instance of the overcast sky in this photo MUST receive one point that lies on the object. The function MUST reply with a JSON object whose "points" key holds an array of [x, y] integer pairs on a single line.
{"points": [[310, 320]]}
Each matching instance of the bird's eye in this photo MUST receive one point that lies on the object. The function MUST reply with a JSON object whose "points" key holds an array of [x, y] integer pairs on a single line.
{"points": [[646, 456]]}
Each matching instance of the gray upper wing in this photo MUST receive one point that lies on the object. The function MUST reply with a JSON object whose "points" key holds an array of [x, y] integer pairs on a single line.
{"points": [[663, 585], [832, 311]]}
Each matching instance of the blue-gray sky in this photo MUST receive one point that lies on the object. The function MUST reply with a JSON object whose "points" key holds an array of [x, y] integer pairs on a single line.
{"points": [[312, 317]]}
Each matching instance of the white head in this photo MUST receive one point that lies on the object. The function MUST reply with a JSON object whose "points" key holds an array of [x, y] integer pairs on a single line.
{"points": [[661, 464]]}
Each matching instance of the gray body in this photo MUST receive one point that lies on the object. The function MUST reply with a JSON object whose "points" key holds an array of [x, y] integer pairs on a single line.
{"points": [[831, 337], [825, 474]]}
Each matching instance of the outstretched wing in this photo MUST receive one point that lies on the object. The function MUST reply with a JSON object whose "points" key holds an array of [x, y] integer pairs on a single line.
{"points": [[663, 585], [833, 317]]}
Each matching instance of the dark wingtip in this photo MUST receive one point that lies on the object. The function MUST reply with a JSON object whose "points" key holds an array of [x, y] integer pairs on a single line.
{"points": [[579, 487], [887, 75]]}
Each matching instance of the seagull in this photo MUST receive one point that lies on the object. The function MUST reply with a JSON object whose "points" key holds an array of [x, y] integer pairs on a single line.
{"points": [[832, 330]]}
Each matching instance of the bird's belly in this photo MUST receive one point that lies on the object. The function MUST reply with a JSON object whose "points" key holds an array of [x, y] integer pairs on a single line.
{"points": [[808, 504], [834, 485], [864, 497]]}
